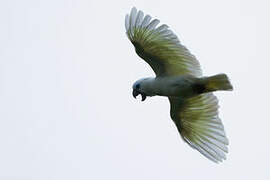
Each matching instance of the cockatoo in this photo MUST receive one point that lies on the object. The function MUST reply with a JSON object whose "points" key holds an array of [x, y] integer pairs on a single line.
{"points": [[193, 106]]}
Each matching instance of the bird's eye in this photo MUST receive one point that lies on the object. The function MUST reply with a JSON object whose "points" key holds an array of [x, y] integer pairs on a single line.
{"points": [[137, 86]]}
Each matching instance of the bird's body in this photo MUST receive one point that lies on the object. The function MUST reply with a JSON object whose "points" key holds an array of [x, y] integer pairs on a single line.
{"points": [[176, 86], [183, 86], [194, 108]]}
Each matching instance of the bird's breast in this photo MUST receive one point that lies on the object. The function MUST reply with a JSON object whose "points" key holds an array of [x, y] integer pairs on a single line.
{"points": [[173, 86]]}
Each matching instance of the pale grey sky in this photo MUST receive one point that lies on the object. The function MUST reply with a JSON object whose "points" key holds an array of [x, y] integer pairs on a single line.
{"points": [[66, 105]]}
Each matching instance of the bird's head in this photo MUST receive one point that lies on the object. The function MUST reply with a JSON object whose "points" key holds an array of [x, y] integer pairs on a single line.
{"points": [[138, 89]]}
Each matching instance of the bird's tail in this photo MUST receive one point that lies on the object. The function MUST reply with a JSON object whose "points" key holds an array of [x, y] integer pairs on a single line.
{"points": [[219, 82]]}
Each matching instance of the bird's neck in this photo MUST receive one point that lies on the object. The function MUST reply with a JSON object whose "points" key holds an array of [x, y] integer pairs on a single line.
{"points": [[149, 86]]}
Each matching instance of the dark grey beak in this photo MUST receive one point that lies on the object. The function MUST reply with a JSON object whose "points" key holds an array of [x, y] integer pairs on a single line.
{"points": [[135, 93], [143, 96]]}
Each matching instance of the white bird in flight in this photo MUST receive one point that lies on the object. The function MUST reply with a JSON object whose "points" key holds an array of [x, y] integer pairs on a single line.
{"points": [[194, 108]]}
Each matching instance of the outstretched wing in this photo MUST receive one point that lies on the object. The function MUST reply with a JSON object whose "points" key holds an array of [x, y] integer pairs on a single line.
{"points": [[199, 125], [159, 46]]}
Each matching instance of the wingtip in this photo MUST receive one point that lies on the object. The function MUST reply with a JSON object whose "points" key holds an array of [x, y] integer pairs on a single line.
{"points": [[133, 9]]}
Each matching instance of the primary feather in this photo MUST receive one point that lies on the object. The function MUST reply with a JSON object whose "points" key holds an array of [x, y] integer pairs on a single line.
{"points": [[159, 46], [199, 125]]}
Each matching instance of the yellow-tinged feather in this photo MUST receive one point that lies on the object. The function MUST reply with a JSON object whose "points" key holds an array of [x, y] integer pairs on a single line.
{"points": [[199, 125], [159, 46]]}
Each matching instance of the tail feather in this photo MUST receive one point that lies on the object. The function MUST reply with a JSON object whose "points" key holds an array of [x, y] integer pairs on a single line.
{"points": [[218, 82]]}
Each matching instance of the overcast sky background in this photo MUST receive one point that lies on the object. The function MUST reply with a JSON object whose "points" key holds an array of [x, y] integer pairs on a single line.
{"points": [[66, 105]]}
